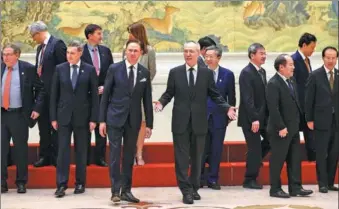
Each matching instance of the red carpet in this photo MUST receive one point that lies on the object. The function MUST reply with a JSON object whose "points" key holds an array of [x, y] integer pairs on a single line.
{"points": [[160, 169]]}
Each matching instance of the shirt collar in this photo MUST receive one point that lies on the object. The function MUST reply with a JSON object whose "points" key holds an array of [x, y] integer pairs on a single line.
{"points": [[202, 57], [216, 70], [195, 67], [302, 54], [15, 66], [328, 70], [129, 65], [91, 47], [78, 64], [256, 67], [48, 36], [283, 77]]}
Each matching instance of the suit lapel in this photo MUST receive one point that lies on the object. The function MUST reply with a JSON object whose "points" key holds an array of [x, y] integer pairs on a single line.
{"points": [[22, 78], [3, 67], [336, 81], [325, 79], [220, 77], [101, 57], [137, 80], [67, 73], [87, 56], [47, 50], [81, 70], [302, 63]]}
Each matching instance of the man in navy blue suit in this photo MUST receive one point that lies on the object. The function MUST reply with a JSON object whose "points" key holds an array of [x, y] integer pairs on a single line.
{"points": [[302, 70], [217, 119], [127, 84]]}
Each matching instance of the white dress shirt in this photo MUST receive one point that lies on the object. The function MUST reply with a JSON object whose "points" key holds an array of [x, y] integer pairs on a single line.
{"points": [[135, 67], [195, 73]]}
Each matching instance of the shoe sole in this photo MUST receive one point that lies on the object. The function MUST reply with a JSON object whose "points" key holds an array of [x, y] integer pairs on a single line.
{"points": [[115, 199]]}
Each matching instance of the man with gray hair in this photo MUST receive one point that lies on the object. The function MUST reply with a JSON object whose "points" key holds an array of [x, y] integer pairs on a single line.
{"points": [[50, 52], [74, 107], [190, 84], [253, 113]]}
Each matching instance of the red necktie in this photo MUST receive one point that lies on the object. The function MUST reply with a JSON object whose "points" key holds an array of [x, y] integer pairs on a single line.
{"points": [[7, 88], [96, 60]]}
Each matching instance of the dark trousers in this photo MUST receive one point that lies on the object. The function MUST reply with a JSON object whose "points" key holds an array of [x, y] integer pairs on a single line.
{"points": [[64, 154], [188, 148], [309, 141], [13, 125], [48, 136], [327, 150], [257, 149], [213, 152], [121, 180], [100, 146], [285, 149]]}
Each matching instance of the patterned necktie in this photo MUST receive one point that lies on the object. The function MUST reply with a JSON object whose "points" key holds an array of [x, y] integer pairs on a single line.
{"points": [[7, 88], [262, 75], [96, 60], [290, 86], [41, 59], [307, 63], [131, 78], [74, 76], [332, 80]]}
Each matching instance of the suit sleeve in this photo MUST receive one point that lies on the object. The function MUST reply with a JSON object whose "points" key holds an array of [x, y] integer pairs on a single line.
{"points": [[309, 98], [147, 101], [214, 94], [170, 90], [94, 96], [54, 95], [39, 92], [272, 97], [152, 63], [60, 52], [231, 90], [247, 95], [109, 82]]}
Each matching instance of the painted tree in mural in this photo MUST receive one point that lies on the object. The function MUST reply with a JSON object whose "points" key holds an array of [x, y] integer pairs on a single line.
{"points": [[18, 15]]}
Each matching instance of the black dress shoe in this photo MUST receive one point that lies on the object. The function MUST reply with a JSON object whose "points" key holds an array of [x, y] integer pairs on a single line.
{"points": [[41, 162], [214, 185], [196, 195], [4, 188], [115, 198], [333, 188], [187, 199], [252, 185], [21, 188], [128, 196], [202, 183], [301, 192], [79, 189], [101, 163], [323, 190], [60, 192], [279, 194]]}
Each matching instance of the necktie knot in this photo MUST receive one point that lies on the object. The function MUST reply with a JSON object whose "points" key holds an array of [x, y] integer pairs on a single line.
{"points": [[74, 67], [10, 68], [94, 50], [191, 69], [331, 72], [131, 67]]}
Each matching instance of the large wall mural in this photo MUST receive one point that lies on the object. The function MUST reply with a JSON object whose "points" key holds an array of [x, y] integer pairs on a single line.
{"points": [[233, 24]]}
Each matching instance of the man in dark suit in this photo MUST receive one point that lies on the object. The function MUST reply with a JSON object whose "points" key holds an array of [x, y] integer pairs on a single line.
{"points": [[74, 108], [303, 68], [283, 129], [322, 116], [50, 52], [22, 101], [253, 113], [101, 58], [217, 119], [127, 84], [190, 85], [204, 42]]}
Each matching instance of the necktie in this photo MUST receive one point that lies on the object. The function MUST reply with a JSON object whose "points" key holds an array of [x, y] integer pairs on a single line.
{"points": [[290, 86], [307, 63], [331, 80], [215, 76], [41, 59], [191, 78], [96, 60], [131, 78], [74, 76], [262, 75], [7, 88]]}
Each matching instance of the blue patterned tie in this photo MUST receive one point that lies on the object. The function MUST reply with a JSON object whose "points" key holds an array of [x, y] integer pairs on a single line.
{"points": [[74, 76]]}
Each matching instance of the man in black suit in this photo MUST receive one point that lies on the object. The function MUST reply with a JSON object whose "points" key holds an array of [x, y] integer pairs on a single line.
{"points": [[190, 85], [101, 58], [322, 116], [303, 68], [204, 42], [283, 129], [127, 84], [74, 108], [253, 113], [50, 52], [22, 101]]}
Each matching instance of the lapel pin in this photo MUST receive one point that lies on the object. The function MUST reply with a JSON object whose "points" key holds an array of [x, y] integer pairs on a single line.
{"points": [[82, 71], [220, 80]]}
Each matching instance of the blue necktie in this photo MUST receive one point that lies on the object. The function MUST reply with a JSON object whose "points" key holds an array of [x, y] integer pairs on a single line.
{"points": [[290, 86], [74, 76]]}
